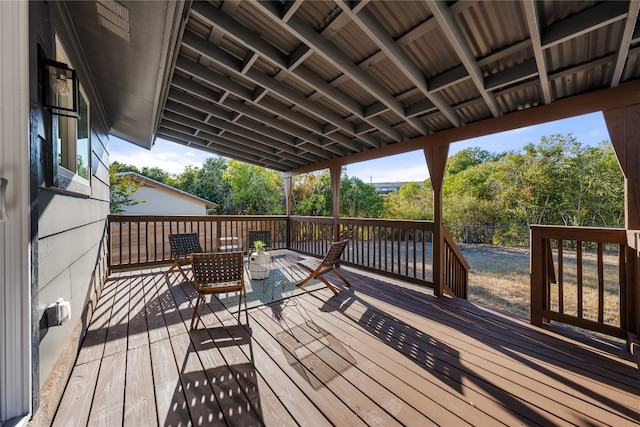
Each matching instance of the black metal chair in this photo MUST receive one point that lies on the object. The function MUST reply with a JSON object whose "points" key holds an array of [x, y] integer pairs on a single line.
{"points": [[215, 273], [326, 265], [182, 246]]}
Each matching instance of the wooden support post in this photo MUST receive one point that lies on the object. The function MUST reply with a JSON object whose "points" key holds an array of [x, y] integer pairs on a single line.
{"points": [[624, 128], [536, 275], [287, 203], [335, 171], [436, 157]]}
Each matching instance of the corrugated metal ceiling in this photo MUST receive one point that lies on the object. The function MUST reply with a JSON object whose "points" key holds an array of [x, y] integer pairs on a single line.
{"points": [[289, 84]]}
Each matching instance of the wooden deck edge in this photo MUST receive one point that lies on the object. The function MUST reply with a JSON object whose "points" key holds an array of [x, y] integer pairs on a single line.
{"points": [[634, 346]]}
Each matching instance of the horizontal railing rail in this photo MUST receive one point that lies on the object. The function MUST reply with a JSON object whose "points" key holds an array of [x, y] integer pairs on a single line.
{"points": [[142, 240], [578, 277]]}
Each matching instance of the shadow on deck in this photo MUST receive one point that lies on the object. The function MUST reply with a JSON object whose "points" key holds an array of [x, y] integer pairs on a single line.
{"points": [[383, 352]]}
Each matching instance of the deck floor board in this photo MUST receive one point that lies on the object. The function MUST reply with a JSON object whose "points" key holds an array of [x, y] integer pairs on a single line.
{"points": [[384, 352]]}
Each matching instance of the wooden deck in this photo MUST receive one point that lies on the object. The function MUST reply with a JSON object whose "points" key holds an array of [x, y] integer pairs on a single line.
{"points": [[383, 352]]}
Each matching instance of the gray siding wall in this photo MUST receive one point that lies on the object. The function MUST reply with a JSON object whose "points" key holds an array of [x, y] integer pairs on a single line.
{"points": [[70, 242]]}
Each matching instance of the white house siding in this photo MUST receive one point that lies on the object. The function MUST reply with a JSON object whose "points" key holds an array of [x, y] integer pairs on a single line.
{"points": [[71, 251], [161, 202]]}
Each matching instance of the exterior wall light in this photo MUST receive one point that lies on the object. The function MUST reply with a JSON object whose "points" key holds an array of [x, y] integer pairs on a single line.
{"points": [[60, 88]]}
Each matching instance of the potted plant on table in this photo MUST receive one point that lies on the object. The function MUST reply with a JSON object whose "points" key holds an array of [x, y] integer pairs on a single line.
{"points": [[259, 261]]}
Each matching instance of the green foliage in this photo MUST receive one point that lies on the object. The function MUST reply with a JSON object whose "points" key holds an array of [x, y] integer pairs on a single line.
{"points": [[157, 174], [359, 200], [410, 202], [208, 182], [558, 181], [254, 190], [123, 167], [468, 158], [311, 194], [122, 189]]}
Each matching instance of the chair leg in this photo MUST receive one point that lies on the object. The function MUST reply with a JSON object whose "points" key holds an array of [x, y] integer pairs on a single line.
{"points": [[240, 304], [312, 275], [337, 273], [328, 284], [186, 278], [195, 310]]}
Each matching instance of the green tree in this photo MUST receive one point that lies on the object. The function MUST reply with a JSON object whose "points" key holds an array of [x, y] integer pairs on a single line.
{"points": [[157, 174], [255, 190], [123, 167], [467, 158], [122, 189], [208, 182], [358, 199], [311, 194], [410, 202]]}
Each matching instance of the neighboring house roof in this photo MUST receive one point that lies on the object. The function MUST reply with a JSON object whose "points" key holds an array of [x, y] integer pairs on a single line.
{"points": [[167, 188]]}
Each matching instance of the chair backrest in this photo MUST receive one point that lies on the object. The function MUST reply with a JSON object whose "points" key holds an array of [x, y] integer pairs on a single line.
{"points": [[346, 233], [263, 235], [334, 253], [217, 268], [184, 244]]}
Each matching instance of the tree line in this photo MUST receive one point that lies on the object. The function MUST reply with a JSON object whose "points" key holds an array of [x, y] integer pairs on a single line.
{"points": [[558, 181]]}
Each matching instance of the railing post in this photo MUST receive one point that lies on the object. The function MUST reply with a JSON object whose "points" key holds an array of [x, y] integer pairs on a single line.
{"points": [[438, 259], [536, 267]]}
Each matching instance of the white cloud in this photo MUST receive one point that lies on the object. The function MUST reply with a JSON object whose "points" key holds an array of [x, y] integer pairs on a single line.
{"points": [[170, 157]]}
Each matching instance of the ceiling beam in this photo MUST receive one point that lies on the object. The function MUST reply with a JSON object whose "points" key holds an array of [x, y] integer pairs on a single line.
{"points": [[452, 33], [533, 24], [584, 22], [263, 135], [365, 20], [218, 80], [230, 65], [182, 124], [288, 66], [220, 148], [601, 100], [625, 41], [324, 48]]}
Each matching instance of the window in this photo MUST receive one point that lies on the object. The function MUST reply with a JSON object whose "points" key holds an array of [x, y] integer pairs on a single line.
{"points": [[73, 138]]}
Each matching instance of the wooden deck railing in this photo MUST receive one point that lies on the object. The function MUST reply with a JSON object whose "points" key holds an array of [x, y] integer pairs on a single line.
{"points": [[578, 277], [396, 248], [400, 249], [456, 268], [142, 240]]}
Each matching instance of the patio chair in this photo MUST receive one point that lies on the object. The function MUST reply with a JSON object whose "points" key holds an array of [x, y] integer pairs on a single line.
{"points": [[327, 264], [215, 273], [182, 246], [263, 235]]}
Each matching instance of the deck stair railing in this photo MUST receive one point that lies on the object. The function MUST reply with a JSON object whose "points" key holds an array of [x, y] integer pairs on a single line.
{"points": [[456, 268], [579, 278]]}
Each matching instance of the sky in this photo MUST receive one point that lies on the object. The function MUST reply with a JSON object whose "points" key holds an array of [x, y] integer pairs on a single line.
{"points": [[589, 129]]}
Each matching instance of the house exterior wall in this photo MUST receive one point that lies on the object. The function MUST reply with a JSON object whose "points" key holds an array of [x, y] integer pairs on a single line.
{"points": [[69, 235], [159, 202]]}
